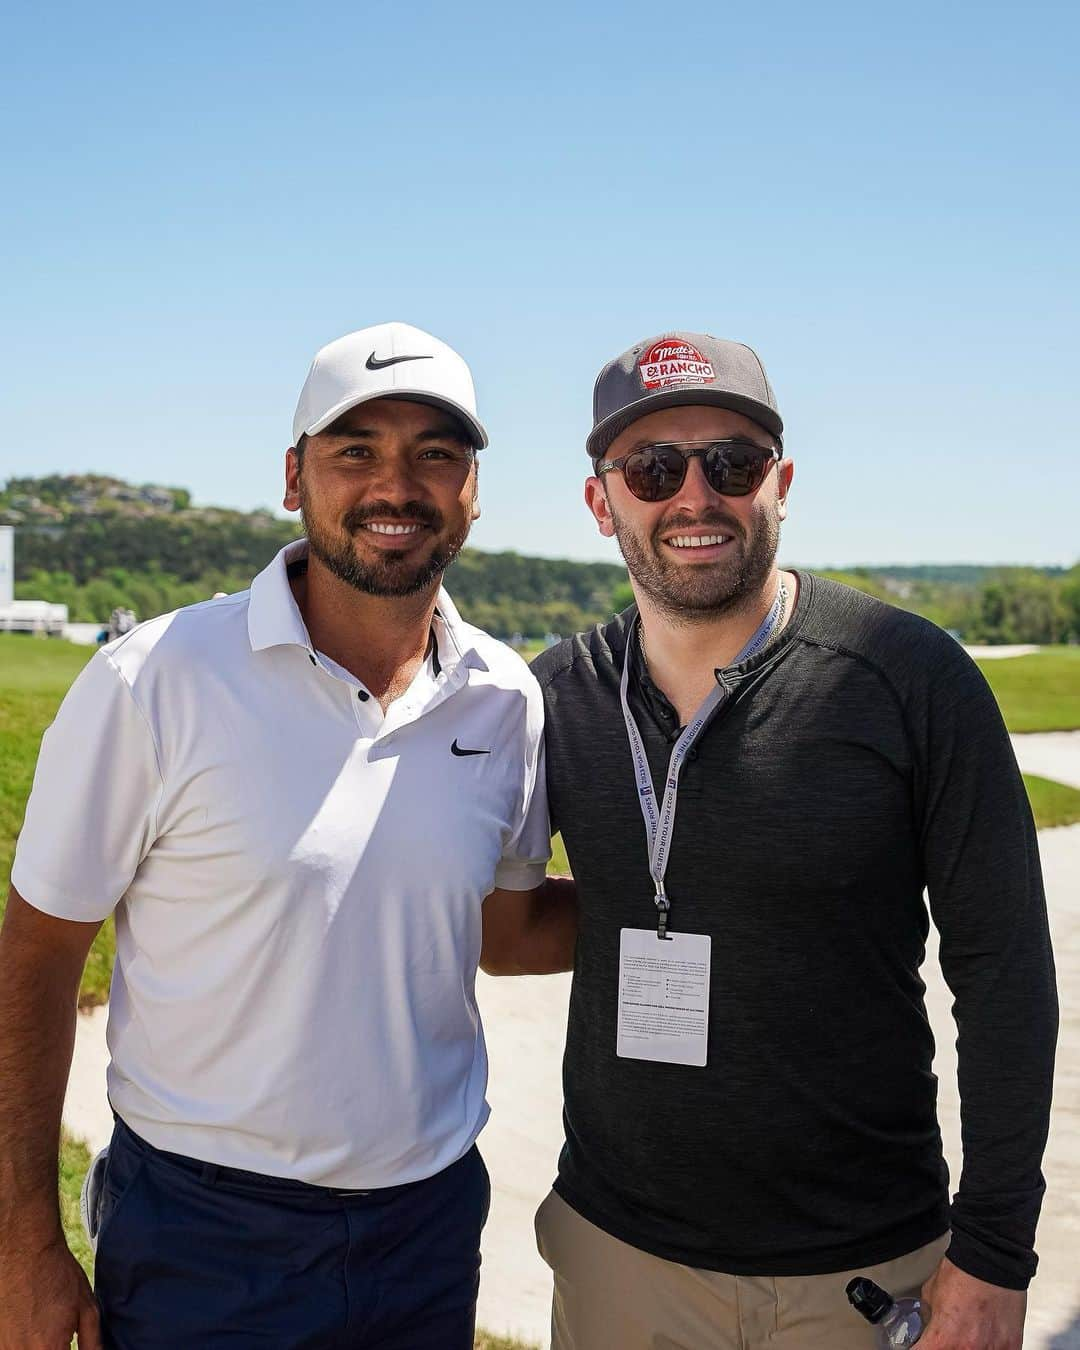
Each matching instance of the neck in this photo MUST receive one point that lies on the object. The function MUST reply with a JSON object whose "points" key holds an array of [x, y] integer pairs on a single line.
{"points": [[382, 640], [683, 653]]}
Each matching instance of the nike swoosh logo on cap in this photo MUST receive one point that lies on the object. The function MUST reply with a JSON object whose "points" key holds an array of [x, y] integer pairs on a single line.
{"points": [[456, 749], [373, 362]]}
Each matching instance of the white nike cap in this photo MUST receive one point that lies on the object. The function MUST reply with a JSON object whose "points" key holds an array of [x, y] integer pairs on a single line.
{"points": [[390, 360]]}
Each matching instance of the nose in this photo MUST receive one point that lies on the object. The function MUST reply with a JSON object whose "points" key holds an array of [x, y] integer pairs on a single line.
{"points": [[695, 495], [396, 478]]}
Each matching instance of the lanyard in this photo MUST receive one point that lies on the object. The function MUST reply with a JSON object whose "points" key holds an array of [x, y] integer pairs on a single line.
{"points": [[659, 824]]}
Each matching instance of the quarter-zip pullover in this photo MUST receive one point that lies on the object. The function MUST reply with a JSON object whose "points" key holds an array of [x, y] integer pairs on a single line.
{"points": [[859, 760]]}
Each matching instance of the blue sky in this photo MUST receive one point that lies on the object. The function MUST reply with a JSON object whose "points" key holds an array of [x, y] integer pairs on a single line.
{"points": [[882, 201]]}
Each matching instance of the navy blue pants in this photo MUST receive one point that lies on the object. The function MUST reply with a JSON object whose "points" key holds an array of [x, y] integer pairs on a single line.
{"points": [[211, 1258]]}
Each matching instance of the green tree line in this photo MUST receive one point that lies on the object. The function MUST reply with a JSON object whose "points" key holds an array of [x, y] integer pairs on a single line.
{"points": [[1005, 605], [1013, 605], [995, 606], [153, 564], [189, 547]]}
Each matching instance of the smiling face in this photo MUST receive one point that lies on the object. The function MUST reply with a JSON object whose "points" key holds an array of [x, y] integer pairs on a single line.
{"points": [[387, 494], [698, 553]]}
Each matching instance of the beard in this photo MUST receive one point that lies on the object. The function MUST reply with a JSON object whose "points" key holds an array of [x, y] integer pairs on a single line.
{"points": [[696, 593], [392, 573]]}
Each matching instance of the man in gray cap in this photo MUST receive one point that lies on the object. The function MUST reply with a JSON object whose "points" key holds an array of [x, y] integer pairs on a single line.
{"points": [[777, 766], [331, 801]]}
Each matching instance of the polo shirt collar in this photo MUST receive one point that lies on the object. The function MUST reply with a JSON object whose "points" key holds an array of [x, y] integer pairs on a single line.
{"points": [[274, 618], [454, 647]]}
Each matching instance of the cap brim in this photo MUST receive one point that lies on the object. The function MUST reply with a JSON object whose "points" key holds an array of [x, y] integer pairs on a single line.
{"points": [[477, 433], [605, 432]]}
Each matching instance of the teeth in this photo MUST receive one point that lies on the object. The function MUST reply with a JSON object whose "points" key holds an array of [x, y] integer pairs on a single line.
{"points": [[393, 529], [697, 540]]}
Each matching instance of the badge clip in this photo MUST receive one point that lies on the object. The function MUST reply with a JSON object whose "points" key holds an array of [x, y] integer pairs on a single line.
{"points": [[663, 905]]}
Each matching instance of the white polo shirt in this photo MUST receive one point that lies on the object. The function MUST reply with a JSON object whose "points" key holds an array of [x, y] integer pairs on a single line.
{"points": [[297, 880]]}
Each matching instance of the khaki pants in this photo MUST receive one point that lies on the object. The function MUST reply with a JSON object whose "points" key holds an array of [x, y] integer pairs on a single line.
{"points": [[610, 1296]]}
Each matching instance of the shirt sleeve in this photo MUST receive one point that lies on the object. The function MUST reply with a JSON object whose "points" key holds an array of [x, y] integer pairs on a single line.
{"points": [[986, 894], [525, 855], [91, 816]]}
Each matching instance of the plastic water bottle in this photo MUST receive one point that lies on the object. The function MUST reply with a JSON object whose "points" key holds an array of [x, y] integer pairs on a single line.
{"points": [[898, 1320]]}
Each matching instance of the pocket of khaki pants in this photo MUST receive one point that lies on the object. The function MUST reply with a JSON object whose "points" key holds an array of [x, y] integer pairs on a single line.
{"points": [[543, 1226]]}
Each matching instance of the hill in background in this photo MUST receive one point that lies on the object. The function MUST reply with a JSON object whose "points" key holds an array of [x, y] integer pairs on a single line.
{"points": [[93, 542]]}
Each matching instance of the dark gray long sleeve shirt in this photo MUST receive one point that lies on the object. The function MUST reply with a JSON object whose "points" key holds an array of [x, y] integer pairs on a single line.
{"points": [[859, 760]]}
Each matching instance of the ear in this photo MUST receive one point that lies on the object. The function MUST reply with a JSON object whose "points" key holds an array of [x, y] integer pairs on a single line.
{"points": [[291, 500], [476, 487], [785, 472], [597, 502]]}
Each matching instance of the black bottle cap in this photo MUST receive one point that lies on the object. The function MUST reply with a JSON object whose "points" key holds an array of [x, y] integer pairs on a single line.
{"points": [[869, 1298]]}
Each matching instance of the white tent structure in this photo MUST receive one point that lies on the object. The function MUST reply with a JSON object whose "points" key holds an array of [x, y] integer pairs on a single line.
{"points": [[33, 616], [24, 616]]}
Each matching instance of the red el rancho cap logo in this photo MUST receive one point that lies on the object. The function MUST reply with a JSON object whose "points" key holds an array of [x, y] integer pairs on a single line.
{"points": [[670, 361]]}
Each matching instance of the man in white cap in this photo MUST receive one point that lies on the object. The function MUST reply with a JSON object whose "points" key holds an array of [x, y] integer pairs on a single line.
{"points": [[331, 798]]}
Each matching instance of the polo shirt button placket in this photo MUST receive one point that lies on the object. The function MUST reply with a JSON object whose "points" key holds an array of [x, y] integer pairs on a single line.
{"points": [[361, 712]]}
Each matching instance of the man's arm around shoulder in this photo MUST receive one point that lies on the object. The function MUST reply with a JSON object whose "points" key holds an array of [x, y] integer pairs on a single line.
{"points": [[530, 932], [45, 1298]]}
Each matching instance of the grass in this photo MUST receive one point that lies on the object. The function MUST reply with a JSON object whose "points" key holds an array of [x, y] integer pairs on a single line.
{"points": [[34, 676], [558, 866], [40, 665], [1040, 692], [74, 1160], [1052, 804]]}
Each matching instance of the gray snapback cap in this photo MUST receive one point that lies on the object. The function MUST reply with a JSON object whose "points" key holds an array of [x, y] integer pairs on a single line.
{"points": [[680, 368]]}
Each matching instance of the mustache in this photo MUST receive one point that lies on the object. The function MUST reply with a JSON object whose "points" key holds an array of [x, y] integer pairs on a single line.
{"points": [[357, 516], [715, 521]]}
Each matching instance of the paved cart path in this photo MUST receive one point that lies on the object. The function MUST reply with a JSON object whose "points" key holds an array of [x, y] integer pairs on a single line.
{"points": [[1050, 754]]}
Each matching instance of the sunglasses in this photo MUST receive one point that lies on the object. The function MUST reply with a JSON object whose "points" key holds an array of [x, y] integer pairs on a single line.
{"points": [[654, 473]]}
